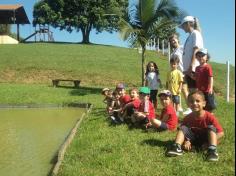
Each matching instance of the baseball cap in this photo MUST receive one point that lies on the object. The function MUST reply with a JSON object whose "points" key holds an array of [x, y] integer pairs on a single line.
{"points": [[165, 92], [105, 89], [202, 51], [120, 86], [186, 19], [144, 90]]}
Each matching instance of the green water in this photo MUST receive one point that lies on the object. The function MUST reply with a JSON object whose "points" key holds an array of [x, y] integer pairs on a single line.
{"points": [[30, 137]]}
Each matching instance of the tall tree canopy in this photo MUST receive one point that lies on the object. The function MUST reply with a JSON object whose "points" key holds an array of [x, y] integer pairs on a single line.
{"points": [[80, 15], [147, 18]]}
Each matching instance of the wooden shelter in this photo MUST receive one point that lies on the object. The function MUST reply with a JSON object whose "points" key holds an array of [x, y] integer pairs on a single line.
{"points": [[13, 14]]}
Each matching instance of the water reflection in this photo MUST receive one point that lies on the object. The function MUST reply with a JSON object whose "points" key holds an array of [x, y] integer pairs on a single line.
{"points": [[30, 138]]}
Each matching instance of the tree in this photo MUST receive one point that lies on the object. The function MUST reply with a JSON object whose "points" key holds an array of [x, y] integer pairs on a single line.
{"points": [[145, 19], [5, 29], [80, 15]]}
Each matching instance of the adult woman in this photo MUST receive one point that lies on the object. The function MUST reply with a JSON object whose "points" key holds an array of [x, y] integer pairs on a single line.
{"points": [[192, 44]]}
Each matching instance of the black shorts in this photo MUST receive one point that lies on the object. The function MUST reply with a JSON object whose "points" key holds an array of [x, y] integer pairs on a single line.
{"points": [[197, 139], [176, 99]]}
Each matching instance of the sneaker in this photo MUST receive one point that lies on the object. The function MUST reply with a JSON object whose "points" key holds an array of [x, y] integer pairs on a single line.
{"points": [[212, 155], [188, 111], [180, 110], [175, 150], [113, 120]]}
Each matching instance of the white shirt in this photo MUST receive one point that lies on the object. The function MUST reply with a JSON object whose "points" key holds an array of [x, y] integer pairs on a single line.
{"points": [[194, 40], [152, 78], [179, 52]]}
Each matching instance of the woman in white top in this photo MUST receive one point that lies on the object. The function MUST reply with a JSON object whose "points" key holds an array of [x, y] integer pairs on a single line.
{"points": [[192, 44]]}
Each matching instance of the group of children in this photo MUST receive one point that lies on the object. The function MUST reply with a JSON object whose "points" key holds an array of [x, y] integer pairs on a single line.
{"points": [[199, 129]]}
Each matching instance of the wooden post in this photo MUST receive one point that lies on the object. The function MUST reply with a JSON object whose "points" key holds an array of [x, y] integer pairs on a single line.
{"points": [[18, 32], [227, 89]]}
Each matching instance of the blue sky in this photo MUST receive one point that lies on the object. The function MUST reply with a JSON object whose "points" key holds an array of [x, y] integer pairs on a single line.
{"points": [[217, 21]]}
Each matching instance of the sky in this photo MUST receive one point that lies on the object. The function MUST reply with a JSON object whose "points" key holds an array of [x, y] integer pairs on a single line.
{"points": [[216, 17]]}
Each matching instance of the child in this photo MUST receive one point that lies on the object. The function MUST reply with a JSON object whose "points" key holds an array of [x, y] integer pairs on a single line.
{"points": [[133, 105], [152, 81], [115, 107], [124, 99], [107, 93], [204, 78], [168, 119], [146, 109], [174, 82], [197, 129]]}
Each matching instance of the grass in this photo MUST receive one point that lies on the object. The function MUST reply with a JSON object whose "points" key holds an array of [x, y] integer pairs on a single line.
{"points": [[99, 148]]}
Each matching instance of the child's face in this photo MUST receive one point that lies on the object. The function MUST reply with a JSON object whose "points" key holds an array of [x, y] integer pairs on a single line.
{"points": [[196, 102], [174, 42], [165, 100], [105, 93], [134, 94], [202, 59], [151, 67], [143, 96], [121, 92], [174, 65]]}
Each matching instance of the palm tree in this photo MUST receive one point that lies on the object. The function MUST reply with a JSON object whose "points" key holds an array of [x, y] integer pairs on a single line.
{"points": [[144, 19]]}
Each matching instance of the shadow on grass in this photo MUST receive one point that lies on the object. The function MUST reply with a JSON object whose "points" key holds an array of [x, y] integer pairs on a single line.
{"points": [[156, 142], [81, 91]]}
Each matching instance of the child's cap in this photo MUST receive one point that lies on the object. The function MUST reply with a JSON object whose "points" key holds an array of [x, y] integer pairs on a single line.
{"points": [[105, 89], [202, 51], [120, 86], [186, 19], [144, 90], [165, 92]]}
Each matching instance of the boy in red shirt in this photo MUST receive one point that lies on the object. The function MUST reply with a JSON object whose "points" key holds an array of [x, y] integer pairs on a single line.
{"points": [[168, 119], [204, 78], [198, 129], [146, 109]]}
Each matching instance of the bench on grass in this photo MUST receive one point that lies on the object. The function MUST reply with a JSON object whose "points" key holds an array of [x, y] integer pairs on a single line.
{"points": [[55, 82]]}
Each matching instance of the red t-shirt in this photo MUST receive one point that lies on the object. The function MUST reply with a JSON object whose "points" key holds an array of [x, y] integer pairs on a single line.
{"points": [[203, 73], [124, 100], [136, 103], [199, 125], [172, 121], [148, 108]]}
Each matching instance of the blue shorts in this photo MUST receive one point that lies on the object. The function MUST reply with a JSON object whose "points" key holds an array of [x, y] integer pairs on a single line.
{"points": [[176, 99], [210, 102], [162, 127]]}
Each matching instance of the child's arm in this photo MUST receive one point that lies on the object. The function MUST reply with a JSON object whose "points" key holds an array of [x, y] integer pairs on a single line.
{"points": [[211, 85], [180, 87]]}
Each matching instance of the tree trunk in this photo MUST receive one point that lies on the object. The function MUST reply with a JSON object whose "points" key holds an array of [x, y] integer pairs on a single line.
{"points": [[86, 32], [143, 65]]}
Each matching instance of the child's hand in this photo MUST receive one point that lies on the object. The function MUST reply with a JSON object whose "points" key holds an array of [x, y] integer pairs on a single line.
{"points": [[187, 145]]}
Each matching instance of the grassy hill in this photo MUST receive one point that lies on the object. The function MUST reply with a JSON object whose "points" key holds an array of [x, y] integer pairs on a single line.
{"points": [[26, 71]]}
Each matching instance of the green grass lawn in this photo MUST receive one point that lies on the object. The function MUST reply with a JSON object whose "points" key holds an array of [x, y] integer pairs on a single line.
{"points": [[26, 71]]}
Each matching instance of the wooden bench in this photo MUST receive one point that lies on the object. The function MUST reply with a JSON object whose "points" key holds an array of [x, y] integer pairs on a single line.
{"points": [[55, 82]]}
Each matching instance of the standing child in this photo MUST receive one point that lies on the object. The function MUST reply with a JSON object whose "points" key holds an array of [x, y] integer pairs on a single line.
{"points": [[204, 78], [146, 109], [174, 82], [197, 129], [152, 81], [168, 119]]}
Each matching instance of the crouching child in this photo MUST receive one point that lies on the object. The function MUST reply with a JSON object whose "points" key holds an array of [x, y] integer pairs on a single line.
{"points": [[199, 129]]}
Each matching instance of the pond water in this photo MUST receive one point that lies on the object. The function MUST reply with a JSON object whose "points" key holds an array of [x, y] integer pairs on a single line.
{"points": [[30, 138]]}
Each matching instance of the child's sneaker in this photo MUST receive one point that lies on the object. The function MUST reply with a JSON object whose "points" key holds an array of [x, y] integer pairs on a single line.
{"points": [[175, 150], [188, 111], [212, 155]]}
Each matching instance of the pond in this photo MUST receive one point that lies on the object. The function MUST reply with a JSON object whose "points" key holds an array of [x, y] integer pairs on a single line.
{"points": [[31, 137]]}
